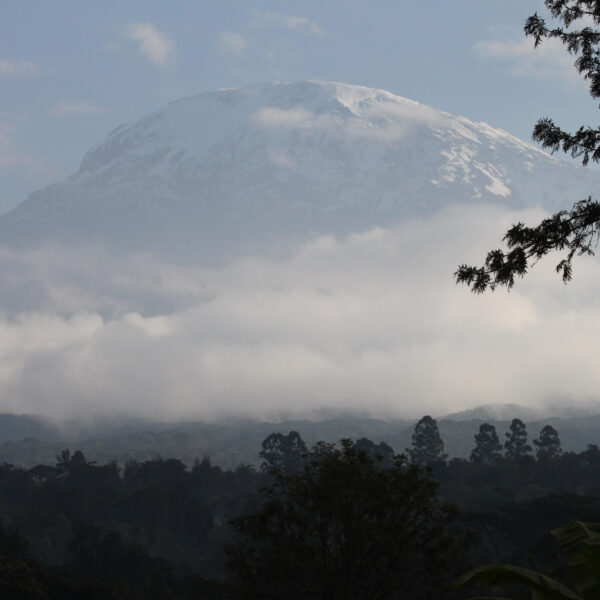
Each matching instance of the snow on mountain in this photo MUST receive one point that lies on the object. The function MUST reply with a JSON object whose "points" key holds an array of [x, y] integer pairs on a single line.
{"points": [[237, 166]]}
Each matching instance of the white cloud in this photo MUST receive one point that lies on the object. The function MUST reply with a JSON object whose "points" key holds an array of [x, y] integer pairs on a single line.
{"points": [[382, 121], [272, 116], [21, 67], [371, 322], [75, 108], [232, 43], [152, 43], [548, 60], [293, 22]]}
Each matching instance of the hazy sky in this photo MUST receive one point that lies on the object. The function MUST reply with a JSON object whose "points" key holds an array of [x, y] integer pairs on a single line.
{"points": [[71, 71]]}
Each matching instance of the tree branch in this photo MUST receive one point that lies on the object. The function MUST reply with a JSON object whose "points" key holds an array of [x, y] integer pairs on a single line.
{"points": [[577, 231]]}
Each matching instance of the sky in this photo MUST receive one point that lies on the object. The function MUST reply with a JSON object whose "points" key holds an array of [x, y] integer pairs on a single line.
{"points": [[72, 71], [368, 322]]}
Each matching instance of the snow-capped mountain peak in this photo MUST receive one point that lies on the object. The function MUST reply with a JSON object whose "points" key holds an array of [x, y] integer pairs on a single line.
{"points": [[281, 159]]}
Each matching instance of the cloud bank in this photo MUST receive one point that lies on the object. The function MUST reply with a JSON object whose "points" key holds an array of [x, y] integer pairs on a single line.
{"points": [[371, 322]]}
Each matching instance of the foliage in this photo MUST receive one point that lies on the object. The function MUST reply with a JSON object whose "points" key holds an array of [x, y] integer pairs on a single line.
{"points": [[18, 581], [381, 454], [544, 588], [580, 543], [548, 446], [285, 453], [578, 230], [516, 446], [344, 528], [105, 526], [427, 445], [488, 449]]}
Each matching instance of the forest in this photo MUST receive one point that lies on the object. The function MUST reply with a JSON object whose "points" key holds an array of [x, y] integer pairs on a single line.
{"points": [[77, 528]]}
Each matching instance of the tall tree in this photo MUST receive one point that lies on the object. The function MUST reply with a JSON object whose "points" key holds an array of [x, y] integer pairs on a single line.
{"points": [[516, 445], [344, 528], [548, 446], [576, 231], [381, 454], [488, 449], [427, 444], [284, 453]]}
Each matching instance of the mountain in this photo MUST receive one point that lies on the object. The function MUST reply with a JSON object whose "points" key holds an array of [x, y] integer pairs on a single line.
{"points": [[497, 412], [237, 167], [18, 427]]}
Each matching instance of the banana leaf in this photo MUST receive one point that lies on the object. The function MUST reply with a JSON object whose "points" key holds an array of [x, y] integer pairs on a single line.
{"points": [[542, 587], [580, 544]]}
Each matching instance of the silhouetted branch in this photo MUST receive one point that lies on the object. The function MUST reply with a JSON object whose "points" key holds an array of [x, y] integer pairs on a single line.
{"points": [[576, 231]]}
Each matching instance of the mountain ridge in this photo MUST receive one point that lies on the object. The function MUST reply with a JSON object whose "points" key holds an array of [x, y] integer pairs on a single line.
{"points": [[235, 167]]}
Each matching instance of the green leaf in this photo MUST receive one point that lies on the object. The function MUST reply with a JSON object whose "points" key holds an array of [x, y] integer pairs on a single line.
{"points": [[580, 543], [591, 557], [543, 587]]}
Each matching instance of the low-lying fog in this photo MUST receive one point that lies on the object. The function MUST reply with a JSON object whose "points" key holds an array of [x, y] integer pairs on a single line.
{"points": [[371, 322]]}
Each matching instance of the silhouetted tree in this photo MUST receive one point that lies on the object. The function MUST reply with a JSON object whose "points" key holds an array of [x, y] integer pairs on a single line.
{"points": [[516, 445], [41, 473], [548, 446], [577, 231], [12, 543], [67, 463], [590, 457], [427, 445], [381, 454], [488, 449], [283, 452], [343, 528], [96, 554], [207, 475]]}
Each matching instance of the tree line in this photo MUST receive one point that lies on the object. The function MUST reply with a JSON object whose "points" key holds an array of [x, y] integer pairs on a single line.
{"points": [[428, 446], [86, 526]]}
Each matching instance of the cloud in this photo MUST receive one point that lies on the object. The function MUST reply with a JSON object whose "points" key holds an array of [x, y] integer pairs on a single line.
{"points": [[232, 43], [369, 322], [21, 67], [75, 108], [293, 22], [272, 116], [383, 121], [152, 43], [549, 60]]}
